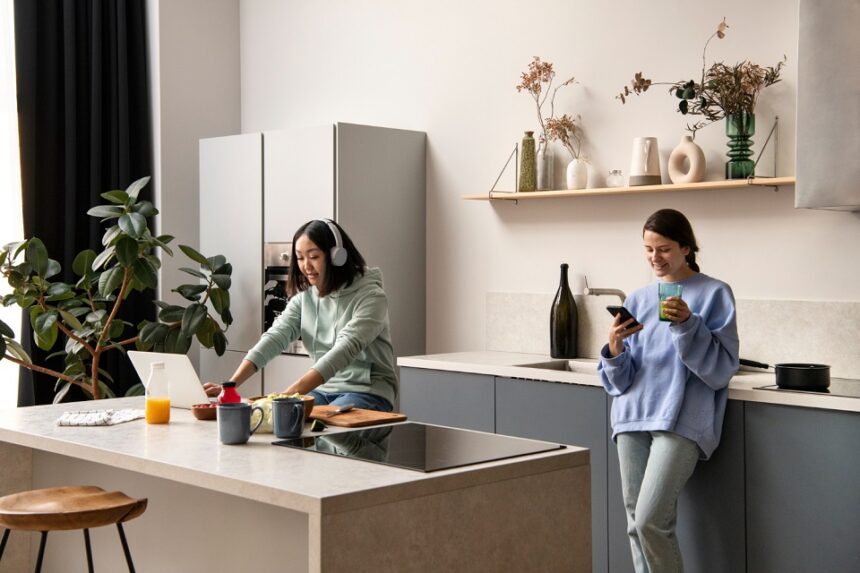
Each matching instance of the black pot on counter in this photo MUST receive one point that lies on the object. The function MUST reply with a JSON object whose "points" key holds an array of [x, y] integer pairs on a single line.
{"points": [[797, 375]]}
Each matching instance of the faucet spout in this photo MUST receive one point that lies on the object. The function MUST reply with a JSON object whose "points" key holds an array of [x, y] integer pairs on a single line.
{"points": [[604, 291]]}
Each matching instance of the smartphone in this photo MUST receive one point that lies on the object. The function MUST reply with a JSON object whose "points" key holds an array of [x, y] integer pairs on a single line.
{"points": [[625, 315]]}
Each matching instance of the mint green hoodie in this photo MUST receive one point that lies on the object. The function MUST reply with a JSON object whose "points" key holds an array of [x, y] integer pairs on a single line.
{"points": [[346, 333]]}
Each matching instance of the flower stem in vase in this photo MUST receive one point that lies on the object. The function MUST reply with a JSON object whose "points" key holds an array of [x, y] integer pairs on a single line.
{"points": [[739, 128]]}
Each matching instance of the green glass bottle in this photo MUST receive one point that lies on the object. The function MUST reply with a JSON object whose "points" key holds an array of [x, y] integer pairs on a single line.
{"points": [[563, 320], [528, 177]]}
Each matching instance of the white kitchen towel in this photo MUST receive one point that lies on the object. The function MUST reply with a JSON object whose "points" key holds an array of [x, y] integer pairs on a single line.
{"points": [[99, 417]]}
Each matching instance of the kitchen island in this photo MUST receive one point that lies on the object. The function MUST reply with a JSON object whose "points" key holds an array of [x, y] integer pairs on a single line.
{"points": [[262, 508]]}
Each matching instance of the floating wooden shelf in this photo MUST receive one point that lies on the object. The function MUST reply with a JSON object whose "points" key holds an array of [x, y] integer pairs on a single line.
{"points": [[726, 184]]}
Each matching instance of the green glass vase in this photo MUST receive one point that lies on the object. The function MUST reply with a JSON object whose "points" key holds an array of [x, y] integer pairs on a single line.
{"points": [[740, 127]]}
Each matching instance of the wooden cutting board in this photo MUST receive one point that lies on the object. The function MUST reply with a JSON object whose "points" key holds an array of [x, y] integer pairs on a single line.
{"points": [[354, 418]]}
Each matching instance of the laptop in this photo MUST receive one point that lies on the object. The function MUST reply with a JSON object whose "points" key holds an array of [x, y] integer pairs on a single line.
{"points": [[185, 388]]}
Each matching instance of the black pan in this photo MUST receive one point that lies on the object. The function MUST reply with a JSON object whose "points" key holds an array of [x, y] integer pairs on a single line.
{"points": [[797, 375]]}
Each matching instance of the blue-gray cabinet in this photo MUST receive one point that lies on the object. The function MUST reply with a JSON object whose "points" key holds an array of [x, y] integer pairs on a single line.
{"points": [[802, 489], [452, 399], [567, 414]]}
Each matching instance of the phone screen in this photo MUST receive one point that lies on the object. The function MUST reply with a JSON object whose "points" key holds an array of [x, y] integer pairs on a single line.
{"points": [[625, 315]]}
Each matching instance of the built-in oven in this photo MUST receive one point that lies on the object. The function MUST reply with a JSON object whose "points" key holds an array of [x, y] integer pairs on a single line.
{"points": [[275, 296]]}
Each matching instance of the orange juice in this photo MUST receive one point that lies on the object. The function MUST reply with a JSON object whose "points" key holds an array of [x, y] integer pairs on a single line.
{"points": [[157, 410]]}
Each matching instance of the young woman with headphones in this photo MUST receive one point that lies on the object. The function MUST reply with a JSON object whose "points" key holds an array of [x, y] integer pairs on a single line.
{"points": [[340, 311]]}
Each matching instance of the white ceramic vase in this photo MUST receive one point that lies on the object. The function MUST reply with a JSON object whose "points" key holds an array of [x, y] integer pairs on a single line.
{"points": [[690, 154], [577, 174]]}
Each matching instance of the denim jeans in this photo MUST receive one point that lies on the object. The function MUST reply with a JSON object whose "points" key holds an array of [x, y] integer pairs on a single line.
{"points": [[357, 399], [654, 468]]}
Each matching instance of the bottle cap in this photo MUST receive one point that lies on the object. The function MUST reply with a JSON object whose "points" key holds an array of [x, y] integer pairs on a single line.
{"points": [[228, 384]]}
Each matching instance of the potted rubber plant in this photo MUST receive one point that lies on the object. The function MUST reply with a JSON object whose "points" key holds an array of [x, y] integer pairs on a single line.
{"points": [[85, 312]]}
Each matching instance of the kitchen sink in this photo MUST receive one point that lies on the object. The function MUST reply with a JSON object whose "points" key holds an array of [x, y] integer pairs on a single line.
{"points": [[581, 366]]}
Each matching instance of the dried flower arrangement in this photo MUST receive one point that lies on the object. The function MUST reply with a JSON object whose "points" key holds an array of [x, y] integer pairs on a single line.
{"points": [[537, 81], [722, 90]]}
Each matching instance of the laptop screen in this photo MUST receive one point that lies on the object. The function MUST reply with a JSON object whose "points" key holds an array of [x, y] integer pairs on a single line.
{"points": [[185, 388]]}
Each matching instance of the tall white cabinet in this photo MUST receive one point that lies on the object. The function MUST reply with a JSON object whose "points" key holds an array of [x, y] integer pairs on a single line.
{"points": [[259, 188]]}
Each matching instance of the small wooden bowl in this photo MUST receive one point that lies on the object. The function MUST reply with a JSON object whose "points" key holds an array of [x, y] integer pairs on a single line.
{"points": [[205, 411]]}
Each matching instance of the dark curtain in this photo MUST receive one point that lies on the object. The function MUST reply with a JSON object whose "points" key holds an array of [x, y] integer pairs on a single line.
{"points": [[84, 121]]}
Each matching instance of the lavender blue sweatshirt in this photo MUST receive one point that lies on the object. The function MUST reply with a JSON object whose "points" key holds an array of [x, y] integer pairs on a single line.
{"points": [[675, 377]]}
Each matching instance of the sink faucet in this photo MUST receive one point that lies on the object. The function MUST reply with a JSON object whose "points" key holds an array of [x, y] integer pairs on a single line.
{"points": [[601, 291]]}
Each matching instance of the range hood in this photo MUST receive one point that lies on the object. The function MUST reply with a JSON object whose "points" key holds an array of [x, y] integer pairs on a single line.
{"points": [[828, 105]]}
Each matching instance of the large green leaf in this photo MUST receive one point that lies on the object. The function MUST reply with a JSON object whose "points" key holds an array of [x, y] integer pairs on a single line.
{"points": [[145, 208], [106, 211], [216, 262], [5, 330], [172, 313], [46, 339], [126, 251], [227, 317], [61, 393], [136, 390], [220, 342], [132, 224], [134, 189], [194, 255], [206, 331], [96, 316], [110, 235], [154, 332], [144, 273], [163, 245], [103, 257], [192, 319], [225, 269], [45, 321], [71, 320], [2, 348], [117, 196], [223, 281], [16, 350], [110, 280], [220, 299], [58, 292], [190, 292], [53, 269], [194, 272], [83, 262], [37, 256]]}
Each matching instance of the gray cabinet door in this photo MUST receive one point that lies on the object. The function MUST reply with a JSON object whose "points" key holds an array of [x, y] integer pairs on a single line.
{"points": [[448, 398], [568, 414], [711, 527], [803, 489]]}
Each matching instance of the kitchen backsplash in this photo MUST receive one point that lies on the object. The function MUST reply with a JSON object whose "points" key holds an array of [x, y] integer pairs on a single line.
{"points": [[771, 331]]}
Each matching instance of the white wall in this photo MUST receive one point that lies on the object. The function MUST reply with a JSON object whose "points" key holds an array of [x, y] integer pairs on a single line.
{"points": [[194, 59], [450, 68]]}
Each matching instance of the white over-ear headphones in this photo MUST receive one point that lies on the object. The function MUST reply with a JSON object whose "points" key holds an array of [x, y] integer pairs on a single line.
{"points": [[338, 253]]}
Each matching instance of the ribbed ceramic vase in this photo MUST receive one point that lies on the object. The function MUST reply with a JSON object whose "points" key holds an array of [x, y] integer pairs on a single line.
{"points": [[577, 174], [528, 180], [740, 127], [686, 162]]}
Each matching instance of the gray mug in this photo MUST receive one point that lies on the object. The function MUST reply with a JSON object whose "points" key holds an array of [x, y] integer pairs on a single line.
{"points": [[288, 417], [234, 422]]}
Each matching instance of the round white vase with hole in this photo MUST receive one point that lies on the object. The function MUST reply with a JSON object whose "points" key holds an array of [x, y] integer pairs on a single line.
{"points": [[687, 162], [577, 174]]}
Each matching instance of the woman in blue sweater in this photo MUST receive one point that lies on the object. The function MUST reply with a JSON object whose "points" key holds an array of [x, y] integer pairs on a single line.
{"points": [[670, 382]]}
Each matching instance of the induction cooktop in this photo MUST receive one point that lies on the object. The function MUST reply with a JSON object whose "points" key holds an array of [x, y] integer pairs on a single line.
{"points": [[844, 387], [420, 447]]}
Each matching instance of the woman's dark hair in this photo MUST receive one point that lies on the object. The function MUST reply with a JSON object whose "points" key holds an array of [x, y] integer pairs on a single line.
{"points": [[335, 277], [674, 225]]}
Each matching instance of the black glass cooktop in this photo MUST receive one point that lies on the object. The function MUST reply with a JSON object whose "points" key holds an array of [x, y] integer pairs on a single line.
{"points": [[844, 387], [420, 447]]}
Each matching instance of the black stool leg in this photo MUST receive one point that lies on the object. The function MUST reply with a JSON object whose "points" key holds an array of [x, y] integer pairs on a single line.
{"points": [[89, 550], [125, 548], [41, 551], [3, 543]]}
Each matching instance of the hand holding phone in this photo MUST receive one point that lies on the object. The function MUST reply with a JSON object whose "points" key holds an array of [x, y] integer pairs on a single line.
{"points": [[625, 315]]}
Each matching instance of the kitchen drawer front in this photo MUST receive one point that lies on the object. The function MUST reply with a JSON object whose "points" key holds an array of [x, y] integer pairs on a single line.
{"points": [[448, 398]]}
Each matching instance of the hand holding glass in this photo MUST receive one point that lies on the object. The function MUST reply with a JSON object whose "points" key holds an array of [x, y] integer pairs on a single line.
{"points": [[665, 291]]}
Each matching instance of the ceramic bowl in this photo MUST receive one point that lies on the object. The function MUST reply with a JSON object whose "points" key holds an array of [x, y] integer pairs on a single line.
{"points": [[205, 411]]}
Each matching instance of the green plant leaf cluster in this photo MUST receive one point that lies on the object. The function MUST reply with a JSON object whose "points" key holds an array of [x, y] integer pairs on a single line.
{"points": [[84, 313]]}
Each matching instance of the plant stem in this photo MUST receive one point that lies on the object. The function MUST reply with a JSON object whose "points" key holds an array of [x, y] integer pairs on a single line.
{"points": [[41, 369], [97, 353]]}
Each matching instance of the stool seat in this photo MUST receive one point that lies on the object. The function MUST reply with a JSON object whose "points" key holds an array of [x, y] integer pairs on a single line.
{"points": [[65, 508]]}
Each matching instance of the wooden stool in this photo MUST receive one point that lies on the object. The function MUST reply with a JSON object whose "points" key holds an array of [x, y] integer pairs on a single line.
{"points": [[66, 508]]}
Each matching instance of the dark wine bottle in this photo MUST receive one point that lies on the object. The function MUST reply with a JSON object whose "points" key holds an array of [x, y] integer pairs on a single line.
{"points": [[563, 320]]}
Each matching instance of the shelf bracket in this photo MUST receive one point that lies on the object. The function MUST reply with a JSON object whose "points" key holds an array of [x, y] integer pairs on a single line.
{"points": [[774, 131], [514, 154]]}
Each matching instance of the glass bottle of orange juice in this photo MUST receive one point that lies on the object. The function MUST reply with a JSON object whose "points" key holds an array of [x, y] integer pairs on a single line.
{"points": [[157, 398]]}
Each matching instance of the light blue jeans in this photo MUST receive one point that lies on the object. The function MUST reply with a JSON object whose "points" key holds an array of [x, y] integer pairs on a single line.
{"points": [[654, 468], [357, 399]]}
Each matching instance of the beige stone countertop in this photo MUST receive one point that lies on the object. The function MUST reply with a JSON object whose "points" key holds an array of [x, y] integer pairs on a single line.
{"points": [[188, 451], [511, 365]]}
